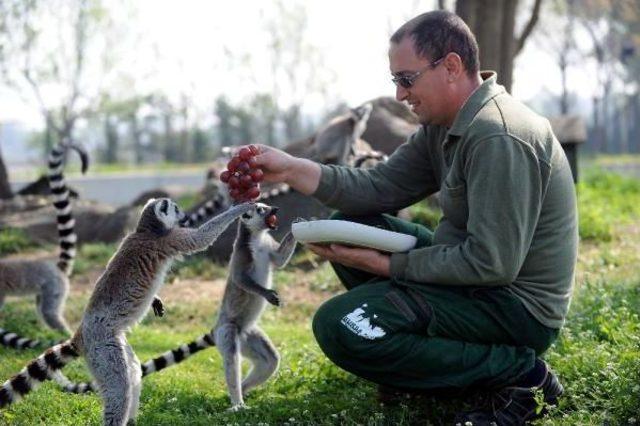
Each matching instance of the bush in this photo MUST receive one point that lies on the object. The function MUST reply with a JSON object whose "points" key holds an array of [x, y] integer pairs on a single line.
{"points": [[93, 255], [426, 215], [606, 200], [14, 241]]}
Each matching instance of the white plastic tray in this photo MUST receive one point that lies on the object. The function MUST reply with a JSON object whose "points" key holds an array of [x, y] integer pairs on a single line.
{"points": [[351, 233]]}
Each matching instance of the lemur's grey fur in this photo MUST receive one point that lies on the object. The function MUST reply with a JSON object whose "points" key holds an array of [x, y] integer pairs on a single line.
{"points": [[48, 281], [249, 288], [249, 285], [121, 296]]}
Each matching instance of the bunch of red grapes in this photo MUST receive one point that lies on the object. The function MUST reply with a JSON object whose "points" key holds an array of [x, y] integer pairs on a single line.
{"points": [[243, 176]]}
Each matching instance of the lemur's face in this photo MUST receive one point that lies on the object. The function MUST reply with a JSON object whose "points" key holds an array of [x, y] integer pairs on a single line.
{"points": [[168, 213], [261, 217]]}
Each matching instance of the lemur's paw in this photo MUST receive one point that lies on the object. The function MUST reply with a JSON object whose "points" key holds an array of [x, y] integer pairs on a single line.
{"points": [[238, 407], [158, 307], [273, 297]]}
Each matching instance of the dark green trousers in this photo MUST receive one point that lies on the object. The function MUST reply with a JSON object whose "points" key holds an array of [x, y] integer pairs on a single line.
{"points": [[427, 336]]}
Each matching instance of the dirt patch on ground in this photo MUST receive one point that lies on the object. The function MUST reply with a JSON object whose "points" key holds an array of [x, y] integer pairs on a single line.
{"points": [[188, 290], [617, 259]]}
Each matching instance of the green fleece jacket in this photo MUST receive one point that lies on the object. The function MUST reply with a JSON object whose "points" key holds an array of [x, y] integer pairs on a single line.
{"points": [[507, 195]]}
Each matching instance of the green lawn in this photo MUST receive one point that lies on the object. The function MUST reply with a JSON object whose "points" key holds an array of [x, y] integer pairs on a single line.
{"points": [[597, 356]]}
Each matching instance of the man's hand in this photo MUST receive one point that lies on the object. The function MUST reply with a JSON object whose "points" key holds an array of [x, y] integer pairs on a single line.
{"points": [[367, 260], [279, 167], [275, 164]]}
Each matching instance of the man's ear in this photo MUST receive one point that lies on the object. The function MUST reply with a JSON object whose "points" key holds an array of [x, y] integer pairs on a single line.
{"points": [[454, 66]]}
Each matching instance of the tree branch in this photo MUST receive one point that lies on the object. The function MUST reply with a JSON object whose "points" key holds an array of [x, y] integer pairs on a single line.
{"points": [[533, 20]]}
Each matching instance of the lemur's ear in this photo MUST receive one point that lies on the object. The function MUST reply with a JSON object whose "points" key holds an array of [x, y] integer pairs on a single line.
{"points": [[361, 116], [164, 206], [150, 220]]}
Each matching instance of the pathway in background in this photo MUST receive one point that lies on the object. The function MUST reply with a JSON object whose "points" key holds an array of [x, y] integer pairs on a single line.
{"points": [[121, 189]]}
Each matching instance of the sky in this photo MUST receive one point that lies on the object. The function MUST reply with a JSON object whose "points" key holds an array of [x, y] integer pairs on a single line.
{"points": [[192, 47]]}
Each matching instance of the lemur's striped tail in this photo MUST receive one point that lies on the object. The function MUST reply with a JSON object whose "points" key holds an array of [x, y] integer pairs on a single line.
{"points": [[68, 386], [165, 360], [36, 372], [205, 210], [15, 341], [66, 222], [177, 355]]}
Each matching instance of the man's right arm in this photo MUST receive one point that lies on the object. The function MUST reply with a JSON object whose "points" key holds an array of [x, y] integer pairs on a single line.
{"points": [[280, 167], [405, 178]]}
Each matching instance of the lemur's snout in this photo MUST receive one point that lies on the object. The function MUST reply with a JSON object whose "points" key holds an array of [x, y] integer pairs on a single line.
{"points": [[272, 220]]}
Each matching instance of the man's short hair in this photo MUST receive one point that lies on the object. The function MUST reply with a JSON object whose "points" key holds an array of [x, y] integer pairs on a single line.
{"points": [[439, 32]]}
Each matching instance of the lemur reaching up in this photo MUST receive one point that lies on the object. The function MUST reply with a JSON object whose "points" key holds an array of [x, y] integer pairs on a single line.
{"points": [[249, 287], [48, 281], [121, 296]]}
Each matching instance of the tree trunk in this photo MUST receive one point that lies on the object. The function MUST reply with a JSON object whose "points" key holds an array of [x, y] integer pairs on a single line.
{"points": [[493, 23], [5, 188], [136, 134], [634, 128], [599, 143], [564, 97], [169, 136], [111, 136]]}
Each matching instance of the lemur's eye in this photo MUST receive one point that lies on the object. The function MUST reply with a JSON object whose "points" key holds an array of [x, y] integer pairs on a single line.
{"points": [[260, 210]]}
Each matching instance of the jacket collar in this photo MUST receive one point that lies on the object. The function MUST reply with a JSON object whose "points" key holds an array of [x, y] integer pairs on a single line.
{"points": [[488, 90]]}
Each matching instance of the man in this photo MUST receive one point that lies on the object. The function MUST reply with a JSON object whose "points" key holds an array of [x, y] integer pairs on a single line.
{"points": [[477, 301]]}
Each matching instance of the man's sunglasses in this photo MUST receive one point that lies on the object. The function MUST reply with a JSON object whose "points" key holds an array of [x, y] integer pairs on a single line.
{"points": [[408, 80]]}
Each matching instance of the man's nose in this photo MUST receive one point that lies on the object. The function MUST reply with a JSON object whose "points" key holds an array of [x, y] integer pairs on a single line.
{"points": [[401, 93]]}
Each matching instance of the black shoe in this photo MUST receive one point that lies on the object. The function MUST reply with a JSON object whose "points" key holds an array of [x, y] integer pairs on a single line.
{"points": [[391, 395], [514, 405]]}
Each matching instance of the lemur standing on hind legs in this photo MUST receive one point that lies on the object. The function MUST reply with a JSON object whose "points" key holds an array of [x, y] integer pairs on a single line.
{"points": [[249, 286], [48, 281], [121, 296]]}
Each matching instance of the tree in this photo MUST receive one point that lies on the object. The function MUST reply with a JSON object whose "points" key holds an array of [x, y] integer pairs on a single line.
{"points": [[5, 188], [294, 74], [557, 36], [43, 57], [611, 25], [493, 23]]}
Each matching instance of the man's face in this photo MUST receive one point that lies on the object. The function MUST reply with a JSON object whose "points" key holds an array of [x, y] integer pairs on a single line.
{"points": [[428, 94]]}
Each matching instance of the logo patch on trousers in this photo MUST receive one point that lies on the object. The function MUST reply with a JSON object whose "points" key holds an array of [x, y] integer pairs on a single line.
{"points": [[361, 325]]}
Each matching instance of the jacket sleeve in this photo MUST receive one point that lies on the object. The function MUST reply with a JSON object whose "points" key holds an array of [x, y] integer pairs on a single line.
{"points": [[504, 195], [404, 179]]}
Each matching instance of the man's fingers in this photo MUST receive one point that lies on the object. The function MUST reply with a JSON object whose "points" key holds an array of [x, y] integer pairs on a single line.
{"points": [[321, 250], [260, 159]]}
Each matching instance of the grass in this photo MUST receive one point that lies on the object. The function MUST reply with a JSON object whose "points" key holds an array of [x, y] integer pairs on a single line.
{"points": [[597, 355], [14, 241]]}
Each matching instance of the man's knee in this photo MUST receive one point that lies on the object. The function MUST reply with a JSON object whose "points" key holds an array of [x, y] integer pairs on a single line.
{"points": [[324, 324], [340, 330]]}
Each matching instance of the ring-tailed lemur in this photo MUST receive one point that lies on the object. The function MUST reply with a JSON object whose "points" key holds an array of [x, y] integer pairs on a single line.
{"points": [[121, 296], [236, 332], [249, 288], [48, 281]]}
